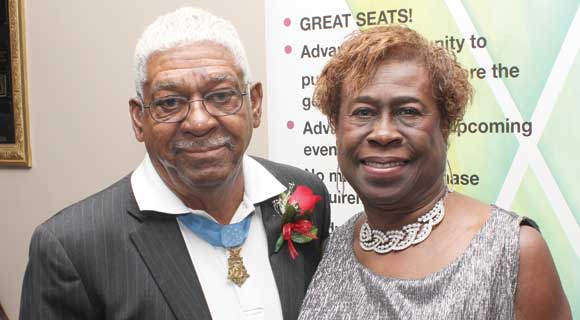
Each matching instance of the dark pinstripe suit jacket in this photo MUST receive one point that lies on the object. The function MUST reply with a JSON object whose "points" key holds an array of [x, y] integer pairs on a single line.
{"points": [[102, 258]]}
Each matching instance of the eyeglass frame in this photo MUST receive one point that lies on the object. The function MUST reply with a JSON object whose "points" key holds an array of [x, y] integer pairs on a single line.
{"points": [[241, 94]]}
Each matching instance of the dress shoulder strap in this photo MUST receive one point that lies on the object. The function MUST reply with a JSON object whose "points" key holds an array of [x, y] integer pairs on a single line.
{"points": [[529, 222]]}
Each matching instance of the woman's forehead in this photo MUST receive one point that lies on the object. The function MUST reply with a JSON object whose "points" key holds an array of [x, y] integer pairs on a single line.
{"points": [[389, 72]]}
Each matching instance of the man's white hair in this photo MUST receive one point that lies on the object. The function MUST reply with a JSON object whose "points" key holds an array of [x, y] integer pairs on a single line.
{"points": [[185, 26]]}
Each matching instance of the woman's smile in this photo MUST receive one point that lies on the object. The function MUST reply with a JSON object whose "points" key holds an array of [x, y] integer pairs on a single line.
{"points": [[383, 166]]}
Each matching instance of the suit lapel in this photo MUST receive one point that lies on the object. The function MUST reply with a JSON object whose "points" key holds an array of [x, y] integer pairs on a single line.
{"points": [[289, 274], [163, 249]]}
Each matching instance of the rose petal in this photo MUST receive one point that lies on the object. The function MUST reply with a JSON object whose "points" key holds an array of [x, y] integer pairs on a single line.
{"points": [[305, 198]]}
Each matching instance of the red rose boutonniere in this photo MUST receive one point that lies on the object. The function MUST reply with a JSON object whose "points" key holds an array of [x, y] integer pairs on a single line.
{"points": [[295, 207]]}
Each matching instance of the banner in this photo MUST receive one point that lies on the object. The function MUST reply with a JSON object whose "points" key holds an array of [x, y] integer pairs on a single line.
{"points": [[518, 144]]}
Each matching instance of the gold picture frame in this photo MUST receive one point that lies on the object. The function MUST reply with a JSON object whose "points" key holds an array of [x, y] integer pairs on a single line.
{"points": [[16, 152]]}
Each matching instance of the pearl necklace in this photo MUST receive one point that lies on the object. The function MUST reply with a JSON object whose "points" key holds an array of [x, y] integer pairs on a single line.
{"points": [[383, 242]]}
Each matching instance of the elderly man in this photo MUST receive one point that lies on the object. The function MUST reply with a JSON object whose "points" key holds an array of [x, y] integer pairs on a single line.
{"points": [[195, 231]]}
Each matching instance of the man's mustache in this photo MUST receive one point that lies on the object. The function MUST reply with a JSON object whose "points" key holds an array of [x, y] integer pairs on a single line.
{"points": [[204, 143]]}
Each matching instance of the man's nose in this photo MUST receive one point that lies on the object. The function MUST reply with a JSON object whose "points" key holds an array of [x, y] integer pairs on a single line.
{"points": [[198, 121]]}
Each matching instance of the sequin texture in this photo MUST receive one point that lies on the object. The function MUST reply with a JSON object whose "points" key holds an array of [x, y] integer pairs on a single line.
{"points": [[479, 284]]}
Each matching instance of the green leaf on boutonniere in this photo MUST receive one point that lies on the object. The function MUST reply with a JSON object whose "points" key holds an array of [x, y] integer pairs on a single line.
{"points": [[301, 238], [279, 243], [290, 214], [314, 230]]}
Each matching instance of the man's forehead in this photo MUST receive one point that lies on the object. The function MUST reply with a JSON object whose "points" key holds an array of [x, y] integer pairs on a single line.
{"points": [[219, 77], [183, 79], [202, 52], [204, 61]]}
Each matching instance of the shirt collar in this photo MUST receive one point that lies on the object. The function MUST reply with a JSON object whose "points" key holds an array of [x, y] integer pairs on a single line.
{"points": [[151, 193]]}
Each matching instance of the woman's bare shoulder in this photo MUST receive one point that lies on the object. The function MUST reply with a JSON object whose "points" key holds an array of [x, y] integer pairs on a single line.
{"points": [[471, 210]]}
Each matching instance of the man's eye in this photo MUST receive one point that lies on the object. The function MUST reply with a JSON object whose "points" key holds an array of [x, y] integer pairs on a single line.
{"points": [[220, 97], [168, 103]]}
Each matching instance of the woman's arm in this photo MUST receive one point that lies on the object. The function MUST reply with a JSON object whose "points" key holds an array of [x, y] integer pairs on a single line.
{"points": [[539, 293]]}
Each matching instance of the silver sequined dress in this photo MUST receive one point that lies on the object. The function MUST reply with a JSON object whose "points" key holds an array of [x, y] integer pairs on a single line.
{"points": [[479, 284]]}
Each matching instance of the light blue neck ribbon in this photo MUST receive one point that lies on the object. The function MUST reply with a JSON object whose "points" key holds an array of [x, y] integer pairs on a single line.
{"points": [[219, 235]]}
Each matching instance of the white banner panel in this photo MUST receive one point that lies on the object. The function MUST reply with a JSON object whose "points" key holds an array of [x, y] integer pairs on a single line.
{"points": [[300, 38]]}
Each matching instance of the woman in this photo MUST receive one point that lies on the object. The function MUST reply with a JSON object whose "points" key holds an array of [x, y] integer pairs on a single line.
{"points": [[418, 251]]}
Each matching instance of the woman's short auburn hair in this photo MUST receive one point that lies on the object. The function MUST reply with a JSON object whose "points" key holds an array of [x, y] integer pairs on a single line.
{"points": [[364, 51]]}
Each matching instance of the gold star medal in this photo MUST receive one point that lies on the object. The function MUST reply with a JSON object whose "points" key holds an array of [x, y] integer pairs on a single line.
{"points": [[236, 270], [229, 236]]}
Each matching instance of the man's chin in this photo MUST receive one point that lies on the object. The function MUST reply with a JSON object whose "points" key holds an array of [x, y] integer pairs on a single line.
{"points": [[206, 183], [208, 178]]}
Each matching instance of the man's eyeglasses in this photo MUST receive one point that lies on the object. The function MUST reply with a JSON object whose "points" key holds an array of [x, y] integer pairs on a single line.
{"points": [[217, 103]]}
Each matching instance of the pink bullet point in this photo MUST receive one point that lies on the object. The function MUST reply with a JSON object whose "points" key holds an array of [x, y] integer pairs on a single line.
{"points": [[288, 49], [290, 124], [287, 22]]}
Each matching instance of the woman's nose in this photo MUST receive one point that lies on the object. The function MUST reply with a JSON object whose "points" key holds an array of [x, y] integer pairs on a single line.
{"points": [[385, 131]]}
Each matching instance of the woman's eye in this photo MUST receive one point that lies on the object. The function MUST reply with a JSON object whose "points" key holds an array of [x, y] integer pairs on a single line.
{"points": [[363, 112], [408, 111]]}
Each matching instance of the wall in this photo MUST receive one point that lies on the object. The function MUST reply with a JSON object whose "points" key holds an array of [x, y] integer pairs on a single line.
{"points": [[79, 81]]}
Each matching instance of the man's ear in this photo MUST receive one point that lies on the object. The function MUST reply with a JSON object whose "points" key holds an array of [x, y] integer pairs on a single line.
{"points": [[256, 95], [137, 117]]}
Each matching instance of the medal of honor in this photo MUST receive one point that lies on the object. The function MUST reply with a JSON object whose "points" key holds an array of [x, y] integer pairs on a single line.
{"points": [[236, 270], [229, 236]]}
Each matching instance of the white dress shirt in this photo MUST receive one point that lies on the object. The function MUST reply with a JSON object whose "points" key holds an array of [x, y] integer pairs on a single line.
{"points": [[258, 297]]}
